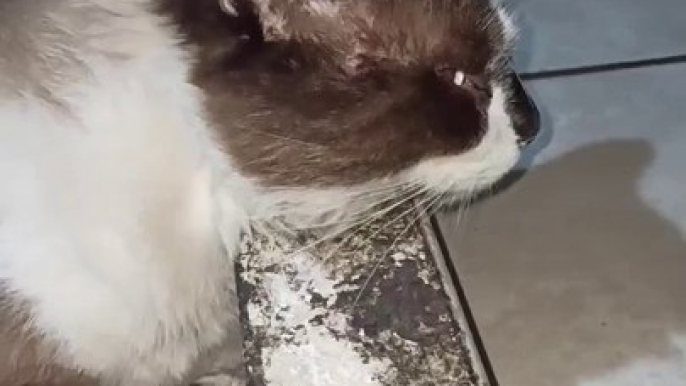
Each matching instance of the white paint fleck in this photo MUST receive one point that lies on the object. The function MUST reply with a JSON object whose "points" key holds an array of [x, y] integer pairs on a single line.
{"points": [[300, 311], [399, 256], [312, 354], [322, 361], [323, 7]]}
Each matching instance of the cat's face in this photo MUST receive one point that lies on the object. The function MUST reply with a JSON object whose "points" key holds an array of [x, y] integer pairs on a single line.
{"points": [[318, 94]]}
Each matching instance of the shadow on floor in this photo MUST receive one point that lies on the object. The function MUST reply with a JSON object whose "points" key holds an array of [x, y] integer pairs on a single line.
{"points": [[573, 279]]}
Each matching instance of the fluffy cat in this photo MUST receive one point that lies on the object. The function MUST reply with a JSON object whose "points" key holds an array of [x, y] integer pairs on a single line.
{"points": [[139, 139]]}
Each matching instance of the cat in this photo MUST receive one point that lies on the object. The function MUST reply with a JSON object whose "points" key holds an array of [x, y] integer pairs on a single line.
{"points": [[140, 139]]}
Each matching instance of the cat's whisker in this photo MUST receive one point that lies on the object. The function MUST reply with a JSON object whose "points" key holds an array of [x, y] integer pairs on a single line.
{"points": [[366, 209], [362, 221], [401, 200], [373, 218], [291, 201], [355, 226], [296, 141], [464, 207], [355, 191], [426, 202]]}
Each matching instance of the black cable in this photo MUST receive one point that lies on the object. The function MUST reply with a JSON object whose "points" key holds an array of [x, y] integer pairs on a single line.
{"points": [[600, 68]]}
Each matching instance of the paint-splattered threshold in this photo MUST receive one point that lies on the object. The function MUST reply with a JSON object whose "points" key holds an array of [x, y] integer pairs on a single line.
{"points": [[370, 308]]}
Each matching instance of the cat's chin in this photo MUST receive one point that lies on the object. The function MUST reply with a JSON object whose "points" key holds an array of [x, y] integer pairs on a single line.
{"points": [[465, 175]]}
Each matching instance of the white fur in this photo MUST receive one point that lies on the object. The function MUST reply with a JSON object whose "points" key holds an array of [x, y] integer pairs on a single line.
{"points": [[480, 167], [327, 8], [273, 21], [108, 210], [228, 6], [116, 207], [510, 30]]}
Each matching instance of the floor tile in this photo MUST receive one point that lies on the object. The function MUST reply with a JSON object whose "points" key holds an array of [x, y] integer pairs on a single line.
{"points": [[562, 33], [576, 274]]}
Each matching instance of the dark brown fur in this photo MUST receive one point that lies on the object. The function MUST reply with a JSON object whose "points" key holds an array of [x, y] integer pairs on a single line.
{"points": [[336, 101]]}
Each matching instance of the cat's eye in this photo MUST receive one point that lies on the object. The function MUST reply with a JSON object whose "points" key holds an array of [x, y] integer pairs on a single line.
{"points": [[460, 78], [450, 75]]}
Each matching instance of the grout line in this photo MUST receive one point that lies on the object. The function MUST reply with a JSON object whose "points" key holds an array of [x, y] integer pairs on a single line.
{"points": [[456, 305], [600, 68], [464, 303]]}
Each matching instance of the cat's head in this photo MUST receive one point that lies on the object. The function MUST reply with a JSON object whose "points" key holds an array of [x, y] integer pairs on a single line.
{"points": [[326, 95]]}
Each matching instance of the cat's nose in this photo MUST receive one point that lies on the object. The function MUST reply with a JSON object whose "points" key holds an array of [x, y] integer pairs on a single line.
{"points": [[526, 117]]}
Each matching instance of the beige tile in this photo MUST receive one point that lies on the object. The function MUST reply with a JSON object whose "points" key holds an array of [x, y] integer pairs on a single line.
{"points": [[572, 278]]}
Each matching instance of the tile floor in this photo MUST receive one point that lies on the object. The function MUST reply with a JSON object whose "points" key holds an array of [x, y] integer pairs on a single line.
{"points": [[562, 33], [576, 274]]}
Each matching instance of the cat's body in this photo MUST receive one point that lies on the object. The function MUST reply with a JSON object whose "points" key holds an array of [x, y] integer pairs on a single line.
{"points": [[124, 194], [107, 206]]}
